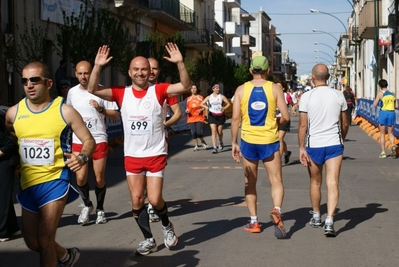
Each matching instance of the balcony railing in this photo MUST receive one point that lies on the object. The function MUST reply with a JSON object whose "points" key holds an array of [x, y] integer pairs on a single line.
{"points": [[201, 39], [247, 40], [219, 32], [170, 12]]}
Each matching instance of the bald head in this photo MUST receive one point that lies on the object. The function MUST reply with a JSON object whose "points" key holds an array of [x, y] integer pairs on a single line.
{"points": [[82, 73], [139, 71], [320, 74], [154, 70]]}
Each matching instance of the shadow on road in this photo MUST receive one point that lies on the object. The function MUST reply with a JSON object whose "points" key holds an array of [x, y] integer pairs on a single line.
{"points": [[186, 206], [358, 215]]}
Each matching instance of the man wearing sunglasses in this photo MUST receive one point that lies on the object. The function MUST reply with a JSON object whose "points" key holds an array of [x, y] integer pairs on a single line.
{"points": [[143, 119], [44, 129], [93, 111]]}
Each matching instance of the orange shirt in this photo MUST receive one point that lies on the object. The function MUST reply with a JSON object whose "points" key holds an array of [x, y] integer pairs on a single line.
{"points": [[193, 106]]}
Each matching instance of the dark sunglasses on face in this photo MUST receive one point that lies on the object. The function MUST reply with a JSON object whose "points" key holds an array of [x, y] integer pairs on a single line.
{"points": [[33, 80]]}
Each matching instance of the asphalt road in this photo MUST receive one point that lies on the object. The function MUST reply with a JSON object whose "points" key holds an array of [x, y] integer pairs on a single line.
{"points": [[205, 195]]}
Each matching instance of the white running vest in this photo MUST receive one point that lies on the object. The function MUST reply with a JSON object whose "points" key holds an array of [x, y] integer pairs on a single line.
{"points": [[79, 99], [216, 104], [143, 124]]}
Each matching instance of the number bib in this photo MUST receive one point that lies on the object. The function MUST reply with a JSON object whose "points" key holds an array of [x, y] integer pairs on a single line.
{"points": [[90, 123], [37, 151], [140, 125]]}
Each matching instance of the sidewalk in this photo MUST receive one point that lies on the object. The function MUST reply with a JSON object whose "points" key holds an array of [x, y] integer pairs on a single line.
{"points": [[205, 195]]}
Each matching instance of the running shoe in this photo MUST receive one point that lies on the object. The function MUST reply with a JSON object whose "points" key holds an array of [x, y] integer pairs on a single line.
{"points": [[214, 151], [329, 230], [221, 146], [154, 217], [383, 155], [287, 157], [195, 148], [279, 229], [85, 214], [393, 151], [146, 246], [15, 234], [101, 217], [169, 237], [252, 227], [315, 222], [74, 254], [204, 145]]}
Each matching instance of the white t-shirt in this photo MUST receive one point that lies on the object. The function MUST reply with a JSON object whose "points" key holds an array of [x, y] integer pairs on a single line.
{"points": [[79, 99], [293, 97], [323, 106]]}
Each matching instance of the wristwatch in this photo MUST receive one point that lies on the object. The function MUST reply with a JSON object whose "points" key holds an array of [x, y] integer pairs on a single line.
{"points": [[84, 158]]}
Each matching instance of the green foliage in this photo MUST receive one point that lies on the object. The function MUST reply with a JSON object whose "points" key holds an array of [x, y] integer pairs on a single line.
{"points": [[81, 36], [33, 46], [154, 46]]}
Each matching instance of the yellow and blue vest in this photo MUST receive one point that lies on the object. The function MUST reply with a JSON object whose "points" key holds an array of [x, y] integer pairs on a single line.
{"points": [[387, 101], [43, 137], [258, 114]]}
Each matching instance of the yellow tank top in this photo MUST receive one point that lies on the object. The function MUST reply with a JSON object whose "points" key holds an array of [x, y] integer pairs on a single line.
{"points": [[258, 109], [388, 101], [43, 137]]}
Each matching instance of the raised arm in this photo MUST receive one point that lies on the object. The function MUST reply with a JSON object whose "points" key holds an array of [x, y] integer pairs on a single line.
{"points": [[184, 85], [226, 101], [377, 99], [93, 86]]}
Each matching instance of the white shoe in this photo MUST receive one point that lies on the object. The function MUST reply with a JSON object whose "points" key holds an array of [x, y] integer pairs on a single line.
{"points": [[85, 214], [101, 217], [146, 246], [195, 148], [154, 217], [169, 237], [204, 145]]}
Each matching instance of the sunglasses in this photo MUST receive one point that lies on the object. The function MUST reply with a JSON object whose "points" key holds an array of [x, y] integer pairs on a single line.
{"points": [[33, 80]]}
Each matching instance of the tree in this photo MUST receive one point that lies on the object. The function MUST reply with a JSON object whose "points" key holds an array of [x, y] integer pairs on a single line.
{"points": [[81, 36], [33, 46], [154, 46]]}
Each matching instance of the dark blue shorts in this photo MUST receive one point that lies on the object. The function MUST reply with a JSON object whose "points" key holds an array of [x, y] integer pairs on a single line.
{"points": [[258, 152], [37, 196], [321, 154]]}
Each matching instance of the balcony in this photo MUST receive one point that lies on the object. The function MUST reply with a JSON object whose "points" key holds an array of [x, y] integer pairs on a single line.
{"points": [[231, 29], [232, 3], [245, 16], [171, 12], [248, 40], [234, 57], [201, 40], [219, 34], [366, 19]]}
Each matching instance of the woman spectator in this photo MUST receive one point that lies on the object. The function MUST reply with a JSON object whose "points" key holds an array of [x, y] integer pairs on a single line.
{"points": [[195, 117]]}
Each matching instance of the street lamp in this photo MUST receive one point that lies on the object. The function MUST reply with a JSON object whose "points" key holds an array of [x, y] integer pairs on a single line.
{"points": [[314, 30], [318, 11], [318, 43], [332, 60]]}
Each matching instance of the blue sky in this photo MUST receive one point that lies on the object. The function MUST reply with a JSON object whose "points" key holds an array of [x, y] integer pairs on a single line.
{"points": [[293, 19]]}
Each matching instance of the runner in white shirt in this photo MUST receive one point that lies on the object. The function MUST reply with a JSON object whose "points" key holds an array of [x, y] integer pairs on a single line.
{"points": [[93, 111], [323, 125]]}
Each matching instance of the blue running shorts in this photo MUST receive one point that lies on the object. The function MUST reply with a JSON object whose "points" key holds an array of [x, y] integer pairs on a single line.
{"points": [[37, 196], [321, 154], [386, 117], [258, 152]]}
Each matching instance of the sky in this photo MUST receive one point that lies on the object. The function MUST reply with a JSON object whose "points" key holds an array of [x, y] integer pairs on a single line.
{"points": [[294, 21]]}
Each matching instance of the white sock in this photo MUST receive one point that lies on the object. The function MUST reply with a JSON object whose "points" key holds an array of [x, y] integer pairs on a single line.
{"points": [[329, 220], [254, 219], [316, 214], [278, 208]]}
